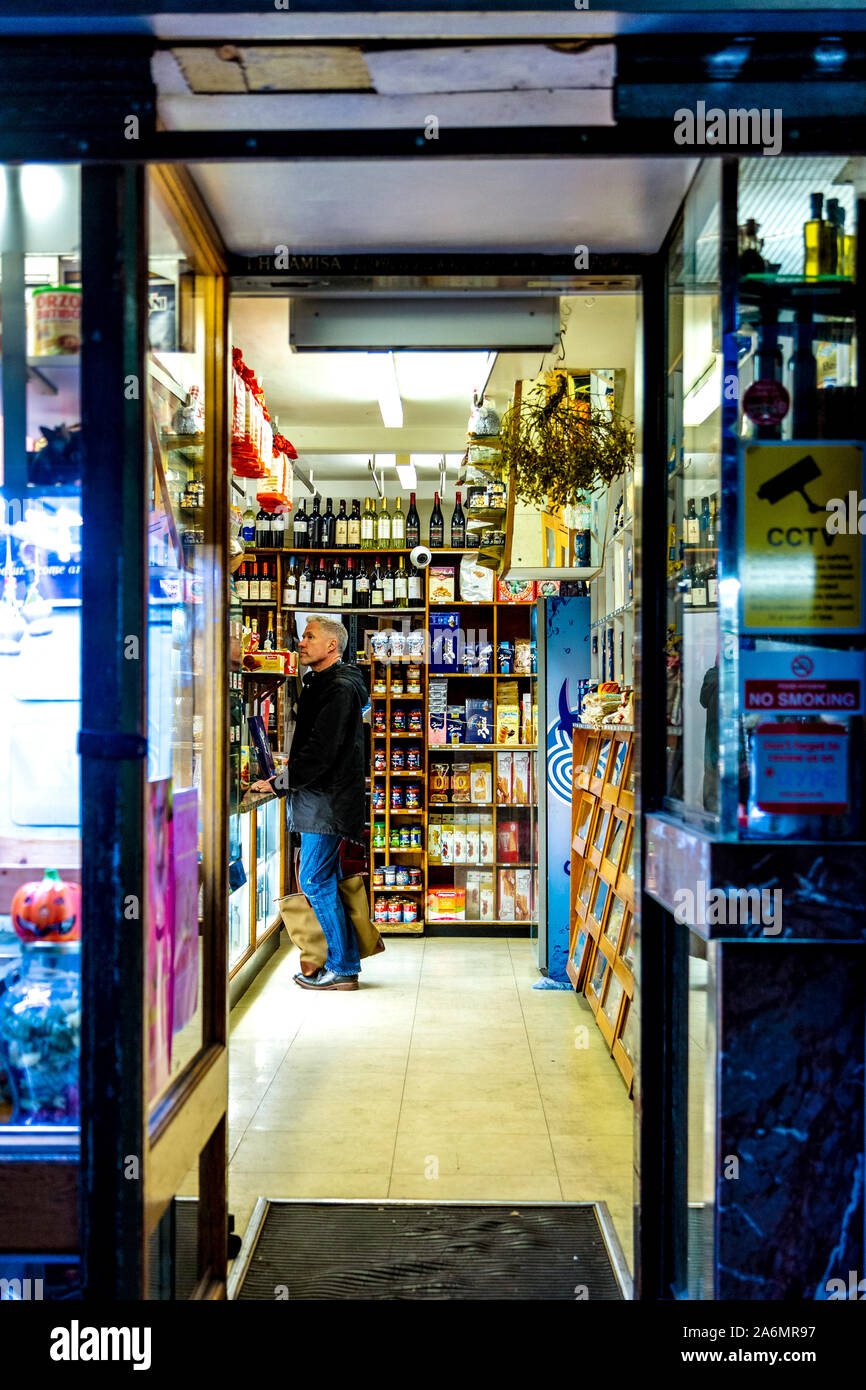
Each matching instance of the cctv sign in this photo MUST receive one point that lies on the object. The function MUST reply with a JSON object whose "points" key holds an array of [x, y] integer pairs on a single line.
{"points": [[805, 681], [797, 575]]}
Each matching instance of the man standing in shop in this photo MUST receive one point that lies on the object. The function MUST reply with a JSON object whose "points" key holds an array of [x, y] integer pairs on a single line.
{"points": [[324, 783]]}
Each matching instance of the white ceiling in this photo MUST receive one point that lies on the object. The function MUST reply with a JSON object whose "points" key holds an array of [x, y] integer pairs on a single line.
{"points": [[497, 205]]}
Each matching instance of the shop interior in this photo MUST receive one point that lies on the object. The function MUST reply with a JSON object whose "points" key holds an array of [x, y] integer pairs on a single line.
{"points": [[490, 1054]]}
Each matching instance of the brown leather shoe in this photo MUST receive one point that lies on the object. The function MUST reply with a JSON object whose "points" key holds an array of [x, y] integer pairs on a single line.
{"points": [[326, 979]]}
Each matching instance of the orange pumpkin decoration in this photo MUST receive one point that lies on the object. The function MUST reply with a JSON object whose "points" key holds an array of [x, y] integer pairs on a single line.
{"points": [[48, 911]]}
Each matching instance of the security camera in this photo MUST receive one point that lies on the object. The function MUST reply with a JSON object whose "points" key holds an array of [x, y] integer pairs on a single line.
{"points": [[421, 557]]}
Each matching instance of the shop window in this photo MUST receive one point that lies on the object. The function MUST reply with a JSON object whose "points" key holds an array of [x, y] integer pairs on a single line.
{"points": [[40, 647]]}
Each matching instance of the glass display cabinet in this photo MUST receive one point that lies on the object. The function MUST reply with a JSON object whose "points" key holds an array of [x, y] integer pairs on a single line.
{"points": [[752, 852]]}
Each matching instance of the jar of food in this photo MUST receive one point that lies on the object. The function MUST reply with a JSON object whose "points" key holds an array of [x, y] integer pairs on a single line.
{"points": [[414, 878], [380, 686], [396, 798], [395, 911], [414, 837], [413, 796], [410, 910], [378, 796], [413, 759], [377, 878], [402, 879], [380, 760], [40, 1033], [390, 873], [416, 720], [413, 681], [396, 684], [405, 841], [398, 721], [379, 834], [398, 760], [379, 726]]}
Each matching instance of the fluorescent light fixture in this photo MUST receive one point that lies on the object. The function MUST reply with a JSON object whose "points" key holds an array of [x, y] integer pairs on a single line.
{"points": [[384, 461], [407, 475], [454, 460], [705, 398], [386, 388], [425, 460]]}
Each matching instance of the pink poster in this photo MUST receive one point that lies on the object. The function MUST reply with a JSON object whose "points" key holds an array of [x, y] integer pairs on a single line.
{"points": [[159, 935], [184, 839]]}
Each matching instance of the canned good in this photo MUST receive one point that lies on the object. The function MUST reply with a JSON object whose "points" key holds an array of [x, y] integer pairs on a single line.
{"points": [[379, 726], [378, 796], [395, 910], [414, 878], [379, 834], [396, 685], [398, 760], [380, 760], [414, 837], [390, 873], [380, 911], [413, 759], [405, 841], [397, 798], [378, 876], [398, 721], [394, 839], [402, 876], [413, 796], [410, 910]]}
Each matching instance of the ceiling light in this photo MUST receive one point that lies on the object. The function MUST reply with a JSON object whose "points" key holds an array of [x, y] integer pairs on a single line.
{"points": [[407, 475], [425, 460], [384, 461], [386, 388]]}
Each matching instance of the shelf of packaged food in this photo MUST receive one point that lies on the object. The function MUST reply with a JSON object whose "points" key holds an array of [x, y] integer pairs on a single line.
{"points": [[394, 850], [419, 734], [346, 550], [391, 696], [309, 608], [415, 811], [484, 922], [465, 603], [419, 776], [477, 747], [483, 675], [624, 530]]}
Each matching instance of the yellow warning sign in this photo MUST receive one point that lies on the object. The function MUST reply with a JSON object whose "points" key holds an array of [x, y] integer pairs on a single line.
{"points": [[802, 566]]}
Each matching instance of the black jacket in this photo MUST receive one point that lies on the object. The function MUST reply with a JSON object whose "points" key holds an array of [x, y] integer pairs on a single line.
{"points": [[326, 761]]}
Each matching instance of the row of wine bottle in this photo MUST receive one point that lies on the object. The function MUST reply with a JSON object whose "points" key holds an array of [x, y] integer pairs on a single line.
{"points": [[336, 585], [355, 530]]}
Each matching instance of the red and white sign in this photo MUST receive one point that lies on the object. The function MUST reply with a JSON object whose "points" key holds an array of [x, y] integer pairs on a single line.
{"points": [[802, 682], [802, 768]]}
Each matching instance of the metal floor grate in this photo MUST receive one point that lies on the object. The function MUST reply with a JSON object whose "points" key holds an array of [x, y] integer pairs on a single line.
{"points": [[420, 1250]]}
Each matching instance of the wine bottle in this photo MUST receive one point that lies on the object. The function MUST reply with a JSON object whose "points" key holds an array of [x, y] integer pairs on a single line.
{"points": [[437, 525], [368, 526], [320, 586], [300, 528], [711, 524], [817, 237], [305, 585], [401, 585], [388, 585], [398, 526], [329, 525], [278, 530], [713, 586], [341, 527], [314, 526], [255, 584], [699, 588], [686, 587], [383, 527], [832, 255], [691, 525], [265, 583], [362, 587], [242, 583], [263, 529], [414, 587], [354, 527], [335, 585], [458, 526], [751, 262], [349, 584], [377, 597], [290, 588], [248, 528], [413, 524]]}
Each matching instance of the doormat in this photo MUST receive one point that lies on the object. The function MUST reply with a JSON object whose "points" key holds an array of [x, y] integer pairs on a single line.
{"points": [[416, 1250]]}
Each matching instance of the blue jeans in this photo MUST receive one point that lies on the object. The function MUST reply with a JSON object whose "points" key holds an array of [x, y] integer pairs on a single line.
{"points": [[318, 874]]}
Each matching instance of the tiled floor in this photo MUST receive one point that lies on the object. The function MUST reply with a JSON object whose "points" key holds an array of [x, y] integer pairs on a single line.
{"points": [[445, 1076]]}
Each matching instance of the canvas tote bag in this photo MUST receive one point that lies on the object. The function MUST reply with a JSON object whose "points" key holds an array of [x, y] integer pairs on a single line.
{"points": [[304, 930]]}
